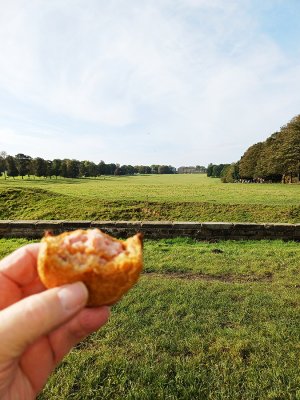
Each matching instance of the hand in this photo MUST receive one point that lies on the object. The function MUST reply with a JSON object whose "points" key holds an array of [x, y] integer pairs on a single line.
{"points": [[38, 327]]}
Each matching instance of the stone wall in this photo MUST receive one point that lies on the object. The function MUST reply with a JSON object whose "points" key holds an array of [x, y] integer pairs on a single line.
{"points": [[156, 230]]}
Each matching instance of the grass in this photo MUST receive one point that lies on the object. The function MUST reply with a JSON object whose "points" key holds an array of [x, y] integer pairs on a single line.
{"points": [[157, 197], [206, 321]]}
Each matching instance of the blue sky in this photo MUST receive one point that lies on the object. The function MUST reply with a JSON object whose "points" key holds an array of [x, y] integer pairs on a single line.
{"points": [[180, 82]]}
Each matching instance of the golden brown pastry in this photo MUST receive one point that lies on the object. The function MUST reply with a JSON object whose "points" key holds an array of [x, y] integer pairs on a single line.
{"points": [[109, 267]]}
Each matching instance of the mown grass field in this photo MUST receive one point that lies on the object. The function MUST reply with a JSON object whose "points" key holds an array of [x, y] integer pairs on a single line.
{"points": [[156, 197], [206, 321]]}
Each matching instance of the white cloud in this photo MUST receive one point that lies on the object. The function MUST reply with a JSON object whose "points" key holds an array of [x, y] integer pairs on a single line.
{"points": [[64, 146], [199, 75]]}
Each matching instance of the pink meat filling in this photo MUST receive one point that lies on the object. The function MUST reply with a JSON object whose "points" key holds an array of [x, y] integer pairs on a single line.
{"points": [[94, 240]]}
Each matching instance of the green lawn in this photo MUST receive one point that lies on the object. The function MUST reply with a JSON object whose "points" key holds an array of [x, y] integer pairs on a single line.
{"points": [[206, 321], [156, 197]]}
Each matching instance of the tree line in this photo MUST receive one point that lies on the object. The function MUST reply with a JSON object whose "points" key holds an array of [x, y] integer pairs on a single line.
{"points": [[277, 159], [24, 165]]}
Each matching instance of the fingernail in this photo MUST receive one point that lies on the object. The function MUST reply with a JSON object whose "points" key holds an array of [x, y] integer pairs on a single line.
{"points": [[73, 297]]}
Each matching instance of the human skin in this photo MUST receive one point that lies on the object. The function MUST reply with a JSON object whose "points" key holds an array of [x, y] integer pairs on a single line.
{"points": [[38, 327]]}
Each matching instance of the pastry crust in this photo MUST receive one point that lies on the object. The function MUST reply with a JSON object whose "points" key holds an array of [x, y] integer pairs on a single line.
{"points": [[107, 266]]}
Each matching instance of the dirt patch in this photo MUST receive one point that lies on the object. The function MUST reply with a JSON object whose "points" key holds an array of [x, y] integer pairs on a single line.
{"points": [[210, 278]]}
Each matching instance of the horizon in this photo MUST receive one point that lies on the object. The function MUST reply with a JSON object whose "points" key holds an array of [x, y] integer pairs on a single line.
{"points": [[181, 83]]}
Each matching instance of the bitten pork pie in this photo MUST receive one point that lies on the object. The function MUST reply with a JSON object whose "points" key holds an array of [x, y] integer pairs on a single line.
{"points": [[107, 266]]}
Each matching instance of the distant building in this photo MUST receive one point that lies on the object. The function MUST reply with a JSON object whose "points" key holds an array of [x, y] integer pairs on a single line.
{"points": [[192, 170]]}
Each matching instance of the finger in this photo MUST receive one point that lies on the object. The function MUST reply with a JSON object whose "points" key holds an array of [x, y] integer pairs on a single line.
{"points": [[36, 286], [48, 351], [25, 321], [18, 275], [20, 266], [11, 293], [82, 325]]}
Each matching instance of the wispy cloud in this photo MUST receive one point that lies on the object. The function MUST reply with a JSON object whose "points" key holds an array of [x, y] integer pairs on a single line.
{"points": [[164, 81]]}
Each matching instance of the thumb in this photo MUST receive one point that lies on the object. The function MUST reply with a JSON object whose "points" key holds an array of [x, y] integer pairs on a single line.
{"points": [[25, 321]]}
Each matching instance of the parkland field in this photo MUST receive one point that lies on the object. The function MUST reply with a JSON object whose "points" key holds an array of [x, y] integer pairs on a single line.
{"points": [[206, 320], [153, 197]]}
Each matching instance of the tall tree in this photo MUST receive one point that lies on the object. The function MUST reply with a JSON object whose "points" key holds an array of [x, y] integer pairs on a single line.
{"points": [[83, 169], [154, 168], [73, 168], [140, 169], [230, 173], [87, 169], [209, 170], [110, 168], [56, 167], [249, 160], [269, 163], [290, 148], [93, 169], [277, 158], [64, 169], [49, 168], [164, 169], [217, 170], [23, 164], [39, 167], [11, 166], [101, 168]]}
